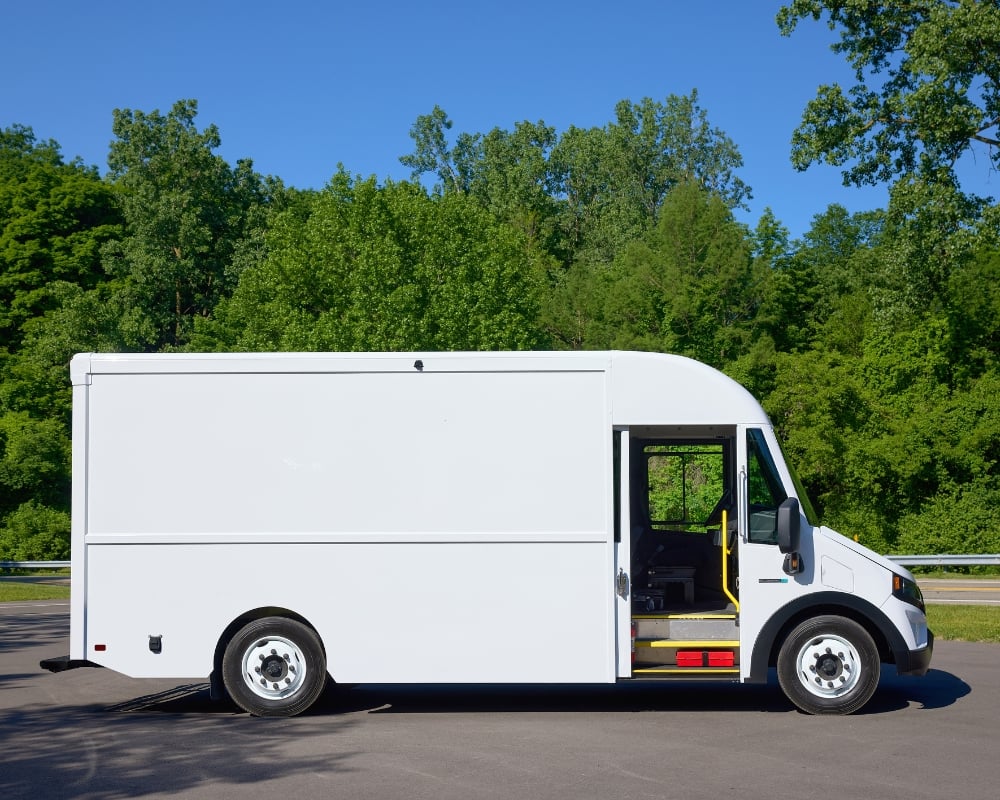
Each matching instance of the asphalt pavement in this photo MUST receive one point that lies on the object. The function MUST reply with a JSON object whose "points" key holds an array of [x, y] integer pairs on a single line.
{"points": [[92, 733]]}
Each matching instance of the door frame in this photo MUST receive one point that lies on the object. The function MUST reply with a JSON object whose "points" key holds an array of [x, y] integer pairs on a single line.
{"points": [[623, 553]]}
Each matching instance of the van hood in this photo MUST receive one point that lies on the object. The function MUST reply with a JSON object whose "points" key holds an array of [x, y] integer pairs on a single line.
{"points": [[861, 550]]}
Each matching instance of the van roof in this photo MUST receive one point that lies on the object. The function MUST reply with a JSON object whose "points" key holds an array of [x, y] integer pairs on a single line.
{"points": [[645, 388]]}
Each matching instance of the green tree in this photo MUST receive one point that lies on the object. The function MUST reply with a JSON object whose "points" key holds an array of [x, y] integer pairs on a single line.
{"points": [[512, 180], [927, 90], [589, 190], [54, 217], [35, 532], [893, 436], [690, 286], [385, 268], [508, 172], [614, 179], [973, 317], [35, 412], [822, 410], [959, 516], [915, 327], [186, 212], [822, 288], [34, 477], [452, 166]]}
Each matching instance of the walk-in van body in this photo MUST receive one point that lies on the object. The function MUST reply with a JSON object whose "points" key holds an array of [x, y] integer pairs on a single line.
{"points": [[267, 520]]}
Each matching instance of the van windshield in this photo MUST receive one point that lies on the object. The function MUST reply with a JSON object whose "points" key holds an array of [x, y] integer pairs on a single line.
{"points": [[804, 502]]}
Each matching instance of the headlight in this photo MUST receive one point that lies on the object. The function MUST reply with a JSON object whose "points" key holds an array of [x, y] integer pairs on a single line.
{"points": [[906, 590]]}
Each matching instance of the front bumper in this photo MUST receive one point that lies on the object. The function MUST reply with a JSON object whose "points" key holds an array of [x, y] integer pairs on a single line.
{"points": [[916, 662]]}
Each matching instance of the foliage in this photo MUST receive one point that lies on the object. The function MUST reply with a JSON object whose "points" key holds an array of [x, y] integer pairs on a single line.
{"points": [[390, 268], [588, 191], [952, 513], [872, 340], [452, 167], [615, 179], [34, 478], [911, 312], [54, 218], [34, 532], [939, 67], [689, 286], [927, 93], [186, 211], [685, 484]]}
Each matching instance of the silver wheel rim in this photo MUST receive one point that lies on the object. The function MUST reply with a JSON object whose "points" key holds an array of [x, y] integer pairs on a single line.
{"points": [[274, 668], [828, 666]]}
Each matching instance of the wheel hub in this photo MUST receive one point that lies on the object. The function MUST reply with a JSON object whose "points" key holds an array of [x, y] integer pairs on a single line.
{"points": [[828, 666], [274, 668]]}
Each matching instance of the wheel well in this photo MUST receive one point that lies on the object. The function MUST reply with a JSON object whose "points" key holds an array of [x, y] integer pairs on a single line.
{"points": [[218, 690], [881, 642]]}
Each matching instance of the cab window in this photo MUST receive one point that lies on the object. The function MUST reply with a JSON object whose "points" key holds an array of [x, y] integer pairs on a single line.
{"points": [[764, 490]]}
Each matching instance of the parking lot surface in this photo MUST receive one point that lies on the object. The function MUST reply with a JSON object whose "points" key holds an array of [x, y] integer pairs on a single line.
{"points": [[91, 733]]}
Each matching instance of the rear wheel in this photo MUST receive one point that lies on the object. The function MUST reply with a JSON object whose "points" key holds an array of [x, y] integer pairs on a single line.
{"points": [[274, 667], [829, 665]]}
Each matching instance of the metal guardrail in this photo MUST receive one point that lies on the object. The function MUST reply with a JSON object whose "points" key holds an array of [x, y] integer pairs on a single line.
{"points": [[947, 560], [904, 561]]}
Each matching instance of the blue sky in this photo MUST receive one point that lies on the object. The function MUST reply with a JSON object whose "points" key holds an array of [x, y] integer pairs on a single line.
{"points": [[302, 86]]}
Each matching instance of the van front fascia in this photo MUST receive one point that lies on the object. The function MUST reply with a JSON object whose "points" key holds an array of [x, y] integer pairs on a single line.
{"points": [[908, 662]]}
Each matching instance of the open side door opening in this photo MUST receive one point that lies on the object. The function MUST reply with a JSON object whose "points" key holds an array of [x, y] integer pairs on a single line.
{"points": [[684, 571]]}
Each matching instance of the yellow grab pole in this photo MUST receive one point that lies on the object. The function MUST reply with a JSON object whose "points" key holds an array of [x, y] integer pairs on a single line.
{"points": [[726, 552]]}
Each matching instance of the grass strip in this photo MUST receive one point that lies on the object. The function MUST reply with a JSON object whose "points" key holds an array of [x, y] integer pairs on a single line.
{"points": [[13, 591], [960, 623]]}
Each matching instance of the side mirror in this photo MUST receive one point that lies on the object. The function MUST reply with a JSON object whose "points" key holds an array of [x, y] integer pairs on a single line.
{"points": [[788, 525]]}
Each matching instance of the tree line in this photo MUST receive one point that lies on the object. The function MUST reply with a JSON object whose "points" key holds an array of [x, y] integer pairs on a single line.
{"points": [[872, 340]]}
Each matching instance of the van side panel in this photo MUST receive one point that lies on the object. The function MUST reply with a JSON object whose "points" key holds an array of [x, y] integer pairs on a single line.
{"points": [[434, 526], [462, 454], [397, 613]]}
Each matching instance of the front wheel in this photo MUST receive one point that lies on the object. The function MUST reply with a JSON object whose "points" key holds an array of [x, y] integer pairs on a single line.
{"points": [[274, 667], [829, 665]]}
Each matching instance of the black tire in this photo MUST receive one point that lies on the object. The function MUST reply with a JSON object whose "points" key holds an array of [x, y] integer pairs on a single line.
{"points": [[829, 665], [274, 667]]}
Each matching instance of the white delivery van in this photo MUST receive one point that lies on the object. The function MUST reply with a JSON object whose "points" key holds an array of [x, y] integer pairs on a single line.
{"points": [[268, 520]]}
